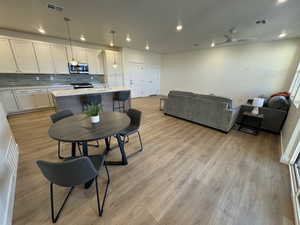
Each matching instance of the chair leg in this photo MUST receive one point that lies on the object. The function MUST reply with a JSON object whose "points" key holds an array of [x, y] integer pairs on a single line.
{"points": [[55, 218], [100, 210], [97, 194], [78, 144], [140, 142], [106, 189], [58, 151]]}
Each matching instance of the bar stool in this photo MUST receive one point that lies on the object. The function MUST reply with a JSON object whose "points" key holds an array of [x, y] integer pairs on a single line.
{"points": [[120, 98], [92, 99]]}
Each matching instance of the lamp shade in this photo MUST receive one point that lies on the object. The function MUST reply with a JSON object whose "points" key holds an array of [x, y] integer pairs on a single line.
{"points": [[258, 102]]}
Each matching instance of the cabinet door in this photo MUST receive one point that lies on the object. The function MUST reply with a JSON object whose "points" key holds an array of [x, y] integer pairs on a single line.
{"points": [[41, 99], [114, 76], [78, 53], [44, 58], [94, 58], [25, 99], [7, 61], [60, 60], [8, 100], [25, 56]]}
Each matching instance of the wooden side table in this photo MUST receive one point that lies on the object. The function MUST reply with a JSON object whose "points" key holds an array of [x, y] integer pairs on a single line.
{"points": [[254, 118], [162, 102]]}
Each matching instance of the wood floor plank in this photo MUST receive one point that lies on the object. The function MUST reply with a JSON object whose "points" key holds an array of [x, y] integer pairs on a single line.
{"points": [[188, 174]]}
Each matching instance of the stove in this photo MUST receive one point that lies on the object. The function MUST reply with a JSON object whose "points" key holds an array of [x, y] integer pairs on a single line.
{"points": [[82, 85]]}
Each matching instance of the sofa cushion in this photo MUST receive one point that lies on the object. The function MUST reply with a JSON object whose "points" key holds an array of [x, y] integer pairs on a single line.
{"points": [[218, 99], [182, 93]]}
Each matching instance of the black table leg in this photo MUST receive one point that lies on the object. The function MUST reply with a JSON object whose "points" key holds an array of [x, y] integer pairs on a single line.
{"points": [[85, 153], [124, 161], [107, 143], [73, 149]]}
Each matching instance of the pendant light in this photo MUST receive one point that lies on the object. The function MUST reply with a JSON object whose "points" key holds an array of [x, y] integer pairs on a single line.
{"points": [[147, 46], [73, 62], [115, 65], [112, 44]]}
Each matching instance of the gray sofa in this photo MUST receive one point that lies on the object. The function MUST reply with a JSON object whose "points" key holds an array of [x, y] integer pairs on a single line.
{"points": [[273, 118], [209, 110]]}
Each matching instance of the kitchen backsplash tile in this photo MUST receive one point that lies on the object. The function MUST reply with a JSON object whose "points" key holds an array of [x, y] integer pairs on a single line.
{"points": [[11, 80]]}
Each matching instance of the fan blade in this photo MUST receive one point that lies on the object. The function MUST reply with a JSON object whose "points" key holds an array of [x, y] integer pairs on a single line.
{"points": [[245, 39], [222, 43]]}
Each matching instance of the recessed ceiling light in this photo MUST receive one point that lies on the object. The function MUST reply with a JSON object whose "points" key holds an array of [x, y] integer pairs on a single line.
{"points": [[82, 38], [279, 2], [213, 44], [128, 39], [41, 30], [282, 35], [179, 27], [147, 46]]}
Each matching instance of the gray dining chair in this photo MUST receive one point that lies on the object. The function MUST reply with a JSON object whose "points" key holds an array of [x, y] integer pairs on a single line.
{"points": [[56, 117], [133, 128], [72, 173]]}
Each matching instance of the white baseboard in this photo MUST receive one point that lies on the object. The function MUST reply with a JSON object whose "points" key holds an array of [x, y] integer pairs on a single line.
{"points": [[282, 150]]}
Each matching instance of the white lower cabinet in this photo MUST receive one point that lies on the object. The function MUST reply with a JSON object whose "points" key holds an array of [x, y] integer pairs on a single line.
{"points": [[32, 99], [8, 100], [18, 100]]}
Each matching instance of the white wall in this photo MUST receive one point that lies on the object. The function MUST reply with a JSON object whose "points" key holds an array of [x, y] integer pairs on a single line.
{"points": [[239, 72]]}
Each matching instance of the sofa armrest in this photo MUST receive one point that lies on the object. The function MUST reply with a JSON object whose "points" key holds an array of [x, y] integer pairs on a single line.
{"points": [[234, 112]]}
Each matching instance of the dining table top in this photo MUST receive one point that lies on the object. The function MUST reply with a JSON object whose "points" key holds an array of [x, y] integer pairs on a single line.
{"points": [[78, 128]]}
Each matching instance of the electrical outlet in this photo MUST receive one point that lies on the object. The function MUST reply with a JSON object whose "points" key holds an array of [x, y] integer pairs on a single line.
{"points": [[37, 78], [92, 77], [51, 78]]}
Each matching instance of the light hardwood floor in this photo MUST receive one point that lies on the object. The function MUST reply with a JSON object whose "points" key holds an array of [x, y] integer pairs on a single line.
{"points": [[187, 175]]}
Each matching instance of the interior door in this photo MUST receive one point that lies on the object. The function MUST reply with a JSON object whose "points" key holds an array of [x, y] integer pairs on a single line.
{"points": [[153, 80], [135, 79], [7, 61]]}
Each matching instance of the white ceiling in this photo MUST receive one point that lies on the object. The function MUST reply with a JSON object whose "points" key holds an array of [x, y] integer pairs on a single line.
{"points": [[155, 20]]}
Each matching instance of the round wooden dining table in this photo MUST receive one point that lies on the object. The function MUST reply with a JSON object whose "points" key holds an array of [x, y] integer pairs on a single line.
{"points": [[78, 129]]}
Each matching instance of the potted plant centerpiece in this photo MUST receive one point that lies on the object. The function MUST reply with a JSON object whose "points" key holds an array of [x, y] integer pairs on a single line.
{"points": [[93, 112]]}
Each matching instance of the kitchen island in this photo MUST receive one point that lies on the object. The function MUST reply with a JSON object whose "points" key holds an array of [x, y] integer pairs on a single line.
{"points": [[72, 99]]}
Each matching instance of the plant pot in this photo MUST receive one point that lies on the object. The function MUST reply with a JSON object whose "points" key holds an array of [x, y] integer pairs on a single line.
{"points": [[95, 119]]}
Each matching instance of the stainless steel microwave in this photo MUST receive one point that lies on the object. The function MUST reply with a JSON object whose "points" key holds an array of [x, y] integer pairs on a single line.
{"points": [[80, 68]]}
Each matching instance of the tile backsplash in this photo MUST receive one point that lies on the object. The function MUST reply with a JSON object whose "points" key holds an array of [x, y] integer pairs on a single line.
{"points": [[12, 80]]}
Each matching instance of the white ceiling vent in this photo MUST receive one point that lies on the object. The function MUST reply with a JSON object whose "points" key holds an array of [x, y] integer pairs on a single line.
{"points": [[55, 7]]}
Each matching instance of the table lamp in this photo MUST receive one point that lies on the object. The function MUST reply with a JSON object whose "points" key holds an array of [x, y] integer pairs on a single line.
{"points": [[257, 102]]}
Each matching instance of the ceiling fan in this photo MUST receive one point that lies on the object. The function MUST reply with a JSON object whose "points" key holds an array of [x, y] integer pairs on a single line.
{"points": [[230, 38]]}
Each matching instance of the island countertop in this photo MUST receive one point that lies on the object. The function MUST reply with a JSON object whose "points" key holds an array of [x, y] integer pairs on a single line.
{"points": [[86, 91]]}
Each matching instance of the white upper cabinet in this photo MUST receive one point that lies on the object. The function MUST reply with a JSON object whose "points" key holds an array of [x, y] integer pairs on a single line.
{"points": [[7, 61], [113, 75], [95, 61], [25, 56], [60, 60], [79, 54], [44, 58]]}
